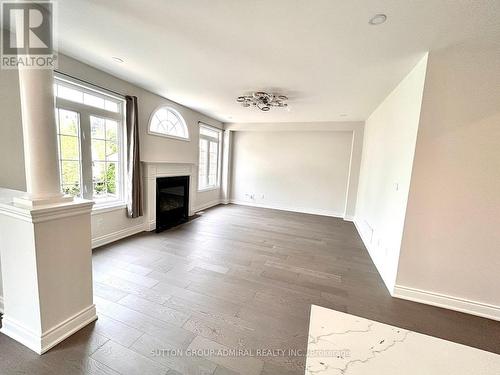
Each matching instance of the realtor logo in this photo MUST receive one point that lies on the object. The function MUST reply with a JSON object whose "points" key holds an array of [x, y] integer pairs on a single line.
{"points": [[28, 34]]}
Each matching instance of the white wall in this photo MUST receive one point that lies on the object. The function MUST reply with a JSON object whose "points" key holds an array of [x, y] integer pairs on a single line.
{"points": [[296, 167], [1, 289], [451, 246], [387, 159], [6, 195]]}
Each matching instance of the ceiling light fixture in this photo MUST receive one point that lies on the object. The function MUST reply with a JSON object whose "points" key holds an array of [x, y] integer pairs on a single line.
{"points": [[378, 19], [118, 60], [263, 100]]}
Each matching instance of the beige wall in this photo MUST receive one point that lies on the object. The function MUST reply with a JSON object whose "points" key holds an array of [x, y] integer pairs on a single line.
{"points": [[296, 171], [153, 148], [451, 243], [306, 167], [12, 175], [384, 182]]}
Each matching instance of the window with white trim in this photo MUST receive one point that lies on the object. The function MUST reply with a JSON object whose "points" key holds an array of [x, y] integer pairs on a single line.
{"points": [[167, 122], [90, 132], [209, 163]]}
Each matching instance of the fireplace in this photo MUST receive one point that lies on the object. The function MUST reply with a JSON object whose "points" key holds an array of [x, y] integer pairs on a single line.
{"points": [[172, 201]]}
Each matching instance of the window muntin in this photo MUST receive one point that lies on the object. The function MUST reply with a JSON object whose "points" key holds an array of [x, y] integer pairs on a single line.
{"points": [[168, 122], [84, 95], [90, 122], [209, 161]]}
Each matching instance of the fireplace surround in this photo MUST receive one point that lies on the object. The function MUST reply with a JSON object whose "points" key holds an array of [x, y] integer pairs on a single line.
{"points": [[156, 170]]}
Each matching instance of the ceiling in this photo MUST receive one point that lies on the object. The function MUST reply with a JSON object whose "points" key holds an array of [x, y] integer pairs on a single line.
{"points": [[323, 54]]}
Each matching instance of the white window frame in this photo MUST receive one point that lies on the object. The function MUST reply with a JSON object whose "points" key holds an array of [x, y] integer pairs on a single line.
{"points": [[219, 154], [85, 112], [165, 135]]}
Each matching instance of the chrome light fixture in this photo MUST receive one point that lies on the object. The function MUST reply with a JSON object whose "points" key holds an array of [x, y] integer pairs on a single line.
{"points": [[378, 19], [263, 100]]}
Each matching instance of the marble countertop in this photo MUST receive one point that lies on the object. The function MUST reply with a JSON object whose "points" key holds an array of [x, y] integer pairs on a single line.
{"points": [[344, 344]]}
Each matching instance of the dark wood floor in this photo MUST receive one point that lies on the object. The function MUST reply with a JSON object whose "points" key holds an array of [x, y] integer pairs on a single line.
{"points": [[237, 277]]}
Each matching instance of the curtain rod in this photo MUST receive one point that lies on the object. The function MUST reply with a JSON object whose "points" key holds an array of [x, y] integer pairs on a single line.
{"points": [[90, 83]]}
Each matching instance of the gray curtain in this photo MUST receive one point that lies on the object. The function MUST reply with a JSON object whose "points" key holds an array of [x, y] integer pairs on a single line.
{"points": [[134, 180]]}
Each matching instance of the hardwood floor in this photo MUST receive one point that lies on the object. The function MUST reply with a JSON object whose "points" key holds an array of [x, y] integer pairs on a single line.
{"points": [[236, 277]]}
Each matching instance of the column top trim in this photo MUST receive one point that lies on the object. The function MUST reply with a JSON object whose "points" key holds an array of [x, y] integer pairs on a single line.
{"points": [[48, 212]]}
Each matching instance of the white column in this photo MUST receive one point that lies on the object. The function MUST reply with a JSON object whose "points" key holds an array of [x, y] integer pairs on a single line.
{"points": [[226, 166], [40, 137], [45, 237]]}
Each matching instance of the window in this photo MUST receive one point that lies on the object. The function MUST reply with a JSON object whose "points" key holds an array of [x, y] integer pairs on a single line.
{"points": [[90, 138], [105, 157], [70, 161], [168, 122], [208, 169]]}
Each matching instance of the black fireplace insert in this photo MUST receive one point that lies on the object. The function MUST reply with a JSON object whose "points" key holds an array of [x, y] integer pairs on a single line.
{"points": [[172, 201]]}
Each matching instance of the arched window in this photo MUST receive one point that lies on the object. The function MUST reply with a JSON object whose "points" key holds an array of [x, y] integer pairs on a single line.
{"points": [[168, 122]]}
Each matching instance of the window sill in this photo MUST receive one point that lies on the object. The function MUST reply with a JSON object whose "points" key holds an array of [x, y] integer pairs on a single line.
{"points": [[208, 189], [108, 207]]}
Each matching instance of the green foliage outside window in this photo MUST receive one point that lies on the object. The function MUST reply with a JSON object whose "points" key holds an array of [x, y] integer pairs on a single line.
{"points": [[106, 181]]}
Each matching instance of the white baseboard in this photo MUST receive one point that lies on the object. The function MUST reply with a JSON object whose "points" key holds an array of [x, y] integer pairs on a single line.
{"points": [[204, 206], [360, 232], [430, 298], [118, 235], [151, 226], [1, 304], [448, 302], [388, 285], [290, 209], [44, 342], [349, 218]]}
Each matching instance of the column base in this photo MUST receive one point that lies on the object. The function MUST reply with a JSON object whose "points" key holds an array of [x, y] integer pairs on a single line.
{"points": [[46, 272], [47, 340]]}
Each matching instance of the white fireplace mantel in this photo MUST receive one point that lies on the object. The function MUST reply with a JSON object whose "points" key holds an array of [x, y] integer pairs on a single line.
{"points": [[153, 170]]}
